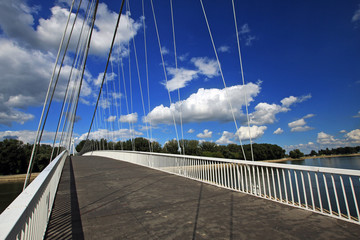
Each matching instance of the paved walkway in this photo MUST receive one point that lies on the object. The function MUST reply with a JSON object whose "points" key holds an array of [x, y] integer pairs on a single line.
{"points": [[101, 198]]}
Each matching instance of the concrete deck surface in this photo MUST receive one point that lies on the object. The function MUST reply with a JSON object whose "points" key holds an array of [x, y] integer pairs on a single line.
{"points": [[101, 198]]}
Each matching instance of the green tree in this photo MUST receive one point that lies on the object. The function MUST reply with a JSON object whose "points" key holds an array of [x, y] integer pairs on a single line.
{"points": [[208, 147], [171, 147], [313, 153], [296, 153]]}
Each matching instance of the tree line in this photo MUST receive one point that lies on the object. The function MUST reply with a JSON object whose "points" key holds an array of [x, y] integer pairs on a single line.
{"points": [[191, 147], [336, 151], [15, 156]]}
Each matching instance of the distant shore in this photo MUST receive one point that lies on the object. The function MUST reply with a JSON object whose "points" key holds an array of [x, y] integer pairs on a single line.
{"points": [[16, 178], [307, 157]]}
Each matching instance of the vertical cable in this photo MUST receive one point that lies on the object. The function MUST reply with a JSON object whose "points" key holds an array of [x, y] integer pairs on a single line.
{"points": [[243, 80]]}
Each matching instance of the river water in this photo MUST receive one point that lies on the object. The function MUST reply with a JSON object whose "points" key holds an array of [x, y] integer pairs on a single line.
{"points": [[332, 162], [8, 192]]}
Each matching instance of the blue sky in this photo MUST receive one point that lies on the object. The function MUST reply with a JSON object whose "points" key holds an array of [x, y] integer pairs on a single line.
{"points": [[301, 66]]}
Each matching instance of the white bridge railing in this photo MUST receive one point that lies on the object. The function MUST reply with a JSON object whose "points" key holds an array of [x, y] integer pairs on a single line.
{"points": [[329, 191], [28, 215]]}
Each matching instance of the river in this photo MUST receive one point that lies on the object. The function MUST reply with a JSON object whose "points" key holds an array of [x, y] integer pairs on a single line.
{"points": [[332, 162], [8, 192]]}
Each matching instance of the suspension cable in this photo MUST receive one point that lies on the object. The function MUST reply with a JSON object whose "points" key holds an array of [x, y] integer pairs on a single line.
{"points": [[126, 101], [223, 79], [243, 80], [107, 64], [139, 79], [176, 67], [36, 142], [164, 69], [83, 69], [68, 82]]}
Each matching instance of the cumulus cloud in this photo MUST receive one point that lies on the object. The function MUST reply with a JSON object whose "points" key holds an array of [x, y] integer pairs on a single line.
{"points": [[111, 135], [206, 105], [265, 113], [17, 22], [278, 131], [226, 138], [111, 119], [27, 136], [287, 102], [300, 124], [243, 133], [27, 53], [205, 134], [254, 131], [180, 78], [108, 77], [130, 118], [324, 138], [191, 130], [353, 136], [206, 66]]}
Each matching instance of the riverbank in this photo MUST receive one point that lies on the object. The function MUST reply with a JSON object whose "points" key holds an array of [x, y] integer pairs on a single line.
{"points": [[16, 178], [308, 157]]}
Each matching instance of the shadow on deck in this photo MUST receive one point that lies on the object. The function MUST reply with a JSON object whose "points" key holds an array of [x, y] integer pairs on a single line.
{"points": [[101, 198]]}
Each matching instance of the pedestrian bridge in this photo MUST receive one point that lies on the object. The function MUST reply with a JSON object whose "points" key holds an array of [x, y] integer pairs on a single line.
{"points": [[131, 195]]}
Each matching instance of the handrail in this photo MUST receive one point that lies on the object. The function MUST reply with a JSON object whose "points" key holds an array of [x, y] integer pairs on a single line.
{"points": [[251, 163], [330, 191], [27, 216]]}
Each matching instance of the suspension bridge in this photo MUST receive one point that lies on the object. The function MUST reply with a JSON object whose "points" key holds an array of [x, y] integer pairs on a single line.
{"points": [[106, 193]]}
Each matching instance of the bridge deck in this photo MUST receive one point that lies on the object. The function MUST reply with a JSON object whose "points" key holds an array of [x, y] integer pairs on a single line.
{"points": [[101, 198]]}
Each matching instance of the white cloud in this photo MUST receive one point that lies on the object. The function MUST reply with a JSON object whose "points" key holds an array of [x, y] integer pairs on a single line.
{"points": [[300, 124], [343, 131], [180, 78], [245, 33], [111, 119], [164, 50], [112, 135], [278, 131], [109, 77], [225, 138], [354, 136], [13, 115], [183, 57], [243, 133], [249, 39], [357, 115], [356, 16], [191, 130], [27, 136], [244, 29], [254, 131], [130, 118], [224, 49], [324, 138], [206, 105], [205, 134], [287, 102], [206, 66], [266, 113], [27, 50]]}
